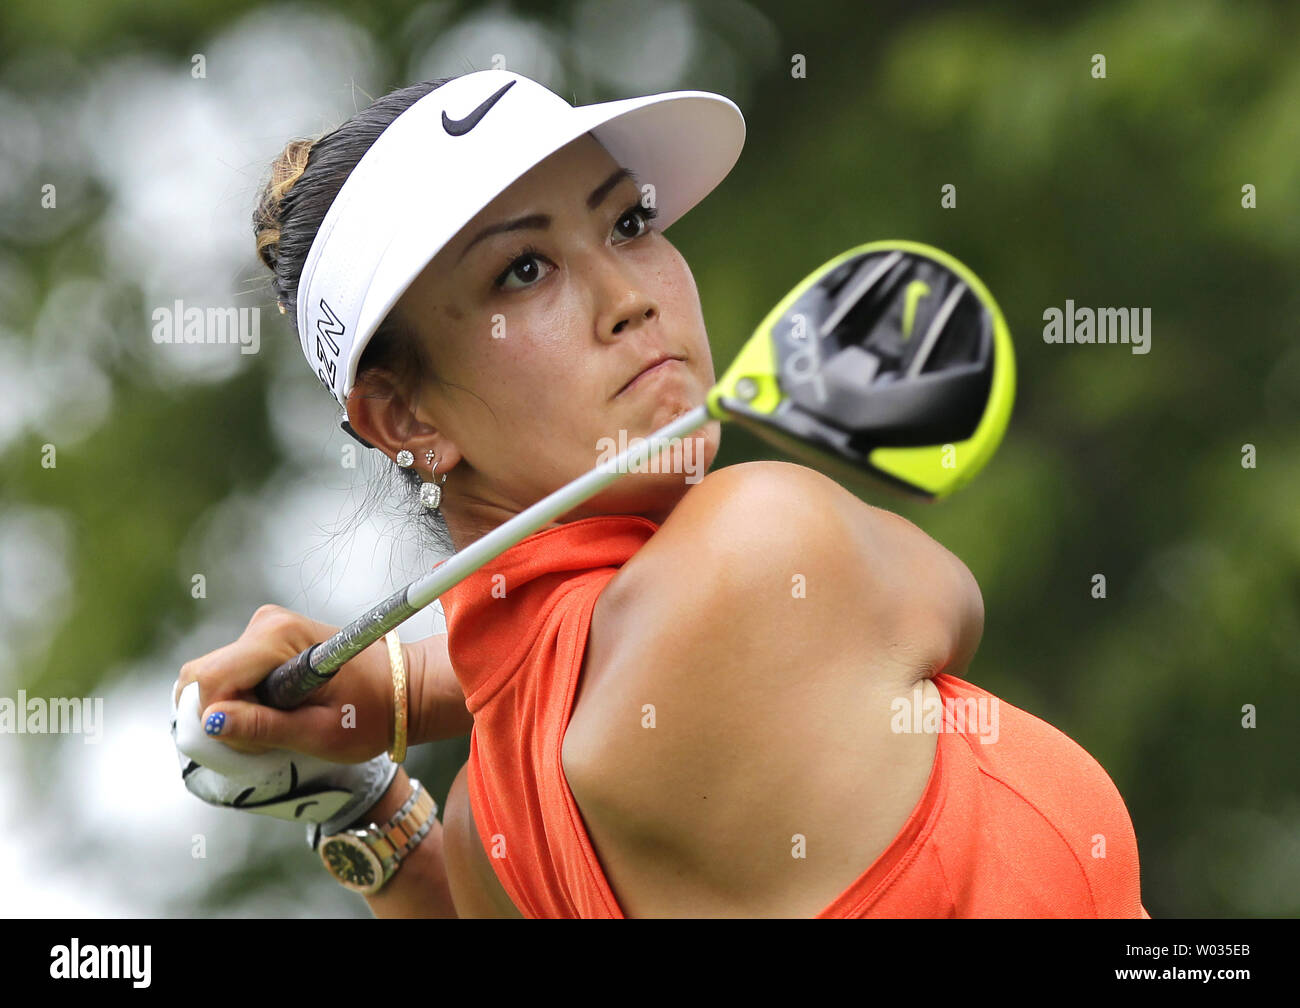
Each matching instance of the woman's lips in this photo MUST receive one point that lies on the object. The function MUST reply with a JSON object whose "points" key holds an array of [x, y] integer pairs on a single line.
{"points": [[664, 367]]}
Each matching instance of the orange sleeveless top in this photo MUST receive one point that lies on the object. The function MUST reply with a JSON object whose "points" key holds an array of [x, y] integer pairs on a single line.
{"points": [[1027, 826]]}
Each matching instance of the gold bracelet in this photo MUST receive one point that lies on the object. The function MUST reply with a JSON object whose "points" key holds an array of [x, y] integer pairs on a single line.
{"points": [[398, 663]]}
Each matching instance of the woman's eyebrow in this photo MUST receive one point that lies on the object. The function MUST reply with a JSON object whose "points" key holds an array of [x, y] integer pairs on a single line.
{"points": [[541, 222], [601, 191], [532, 222]]}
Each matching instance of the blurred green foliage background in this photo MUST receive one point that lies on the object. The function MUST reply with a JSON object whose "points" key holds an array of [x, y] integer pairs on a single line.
{"points": [[1125, 190]]}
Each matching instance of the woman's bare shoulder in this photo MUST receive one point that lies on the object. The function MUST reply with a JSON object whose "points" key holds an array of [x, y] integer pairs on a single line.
{"points": [[753, 538], [739, 518], [767, 574]]}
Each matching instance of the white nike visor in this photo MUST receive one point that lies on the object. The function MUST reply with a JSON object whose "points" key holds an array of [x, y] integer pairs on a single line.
{"points": [[454, 151]]}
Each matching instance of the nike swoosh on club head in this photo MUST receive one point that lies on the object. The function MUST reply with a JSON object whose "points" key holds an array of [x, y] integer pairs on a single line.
{"points": [[459, 127]]}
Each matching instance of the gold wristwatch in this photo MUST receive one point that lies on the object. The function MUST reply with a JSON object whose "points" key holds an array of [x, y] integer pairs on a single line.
{"points": [[364, 860]]}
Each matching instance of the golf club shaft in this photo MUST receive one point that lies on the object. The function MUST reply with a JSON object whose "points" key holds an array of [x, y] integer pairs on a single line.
{"points": [[293, 681]]}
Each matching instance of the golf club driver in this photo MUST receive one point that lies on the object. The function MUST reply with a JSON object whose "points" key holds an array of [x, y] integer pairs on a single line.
{"points": [[891, 361]]}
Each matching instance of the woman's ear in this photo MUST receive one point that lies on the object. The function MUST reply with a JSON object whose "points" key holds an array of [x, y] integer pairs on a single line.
{"points": [[380, 412]]}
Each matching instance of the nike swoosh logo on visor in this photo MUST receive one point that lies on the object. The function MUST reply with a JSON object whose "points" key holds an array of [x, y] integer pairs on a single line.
{"points": [[459, 127]]}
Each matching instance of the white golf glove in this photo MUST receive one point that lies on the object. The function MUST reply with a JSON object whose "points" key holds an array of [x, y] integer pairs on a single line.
{"points": [[326, 796]]}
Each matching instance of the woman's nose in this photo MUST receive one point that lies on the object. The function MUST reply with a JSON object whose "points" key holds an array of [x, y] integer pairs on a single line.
{"points": [[649, 313], [622, 301]]}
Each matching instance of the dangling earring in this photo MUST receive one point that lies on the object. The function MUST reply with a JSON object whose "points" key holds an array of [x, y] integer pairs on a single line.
{"points": [[431, 492]]}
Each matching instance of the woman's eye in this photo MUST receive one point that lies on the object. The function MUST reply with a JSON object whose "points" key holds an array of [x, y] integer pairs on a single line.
{"points": [[634, 223], [524, 271]]}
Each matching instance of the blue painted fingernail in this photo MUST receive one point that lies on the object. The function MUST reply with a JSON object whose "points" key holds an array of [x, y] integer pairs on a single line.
{"points": [[215, 723]]}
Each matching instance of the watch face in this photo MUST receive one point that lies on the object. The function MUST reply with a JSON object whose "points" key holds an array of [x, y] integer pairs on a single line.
{"points": [[351, 862]]}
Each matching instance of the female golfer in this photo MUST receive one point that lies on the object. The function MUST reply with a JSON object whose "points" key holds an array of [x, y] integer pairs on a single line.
{"points": [[691, 697]]}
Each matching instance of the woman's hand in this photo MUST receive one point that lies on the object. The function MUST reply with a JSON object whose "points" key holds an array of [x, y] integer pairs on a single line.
{"points": [[348, 720]]}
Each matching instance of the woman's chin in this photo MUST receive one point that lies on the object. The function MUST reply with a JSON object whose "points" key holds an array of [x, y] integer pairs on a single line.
{"points": [[653, 485]]}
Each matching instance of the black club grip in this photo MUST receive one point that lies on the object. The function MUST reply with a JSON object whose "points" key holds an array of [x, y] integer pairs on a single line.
{"points": [[291, 683]]}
